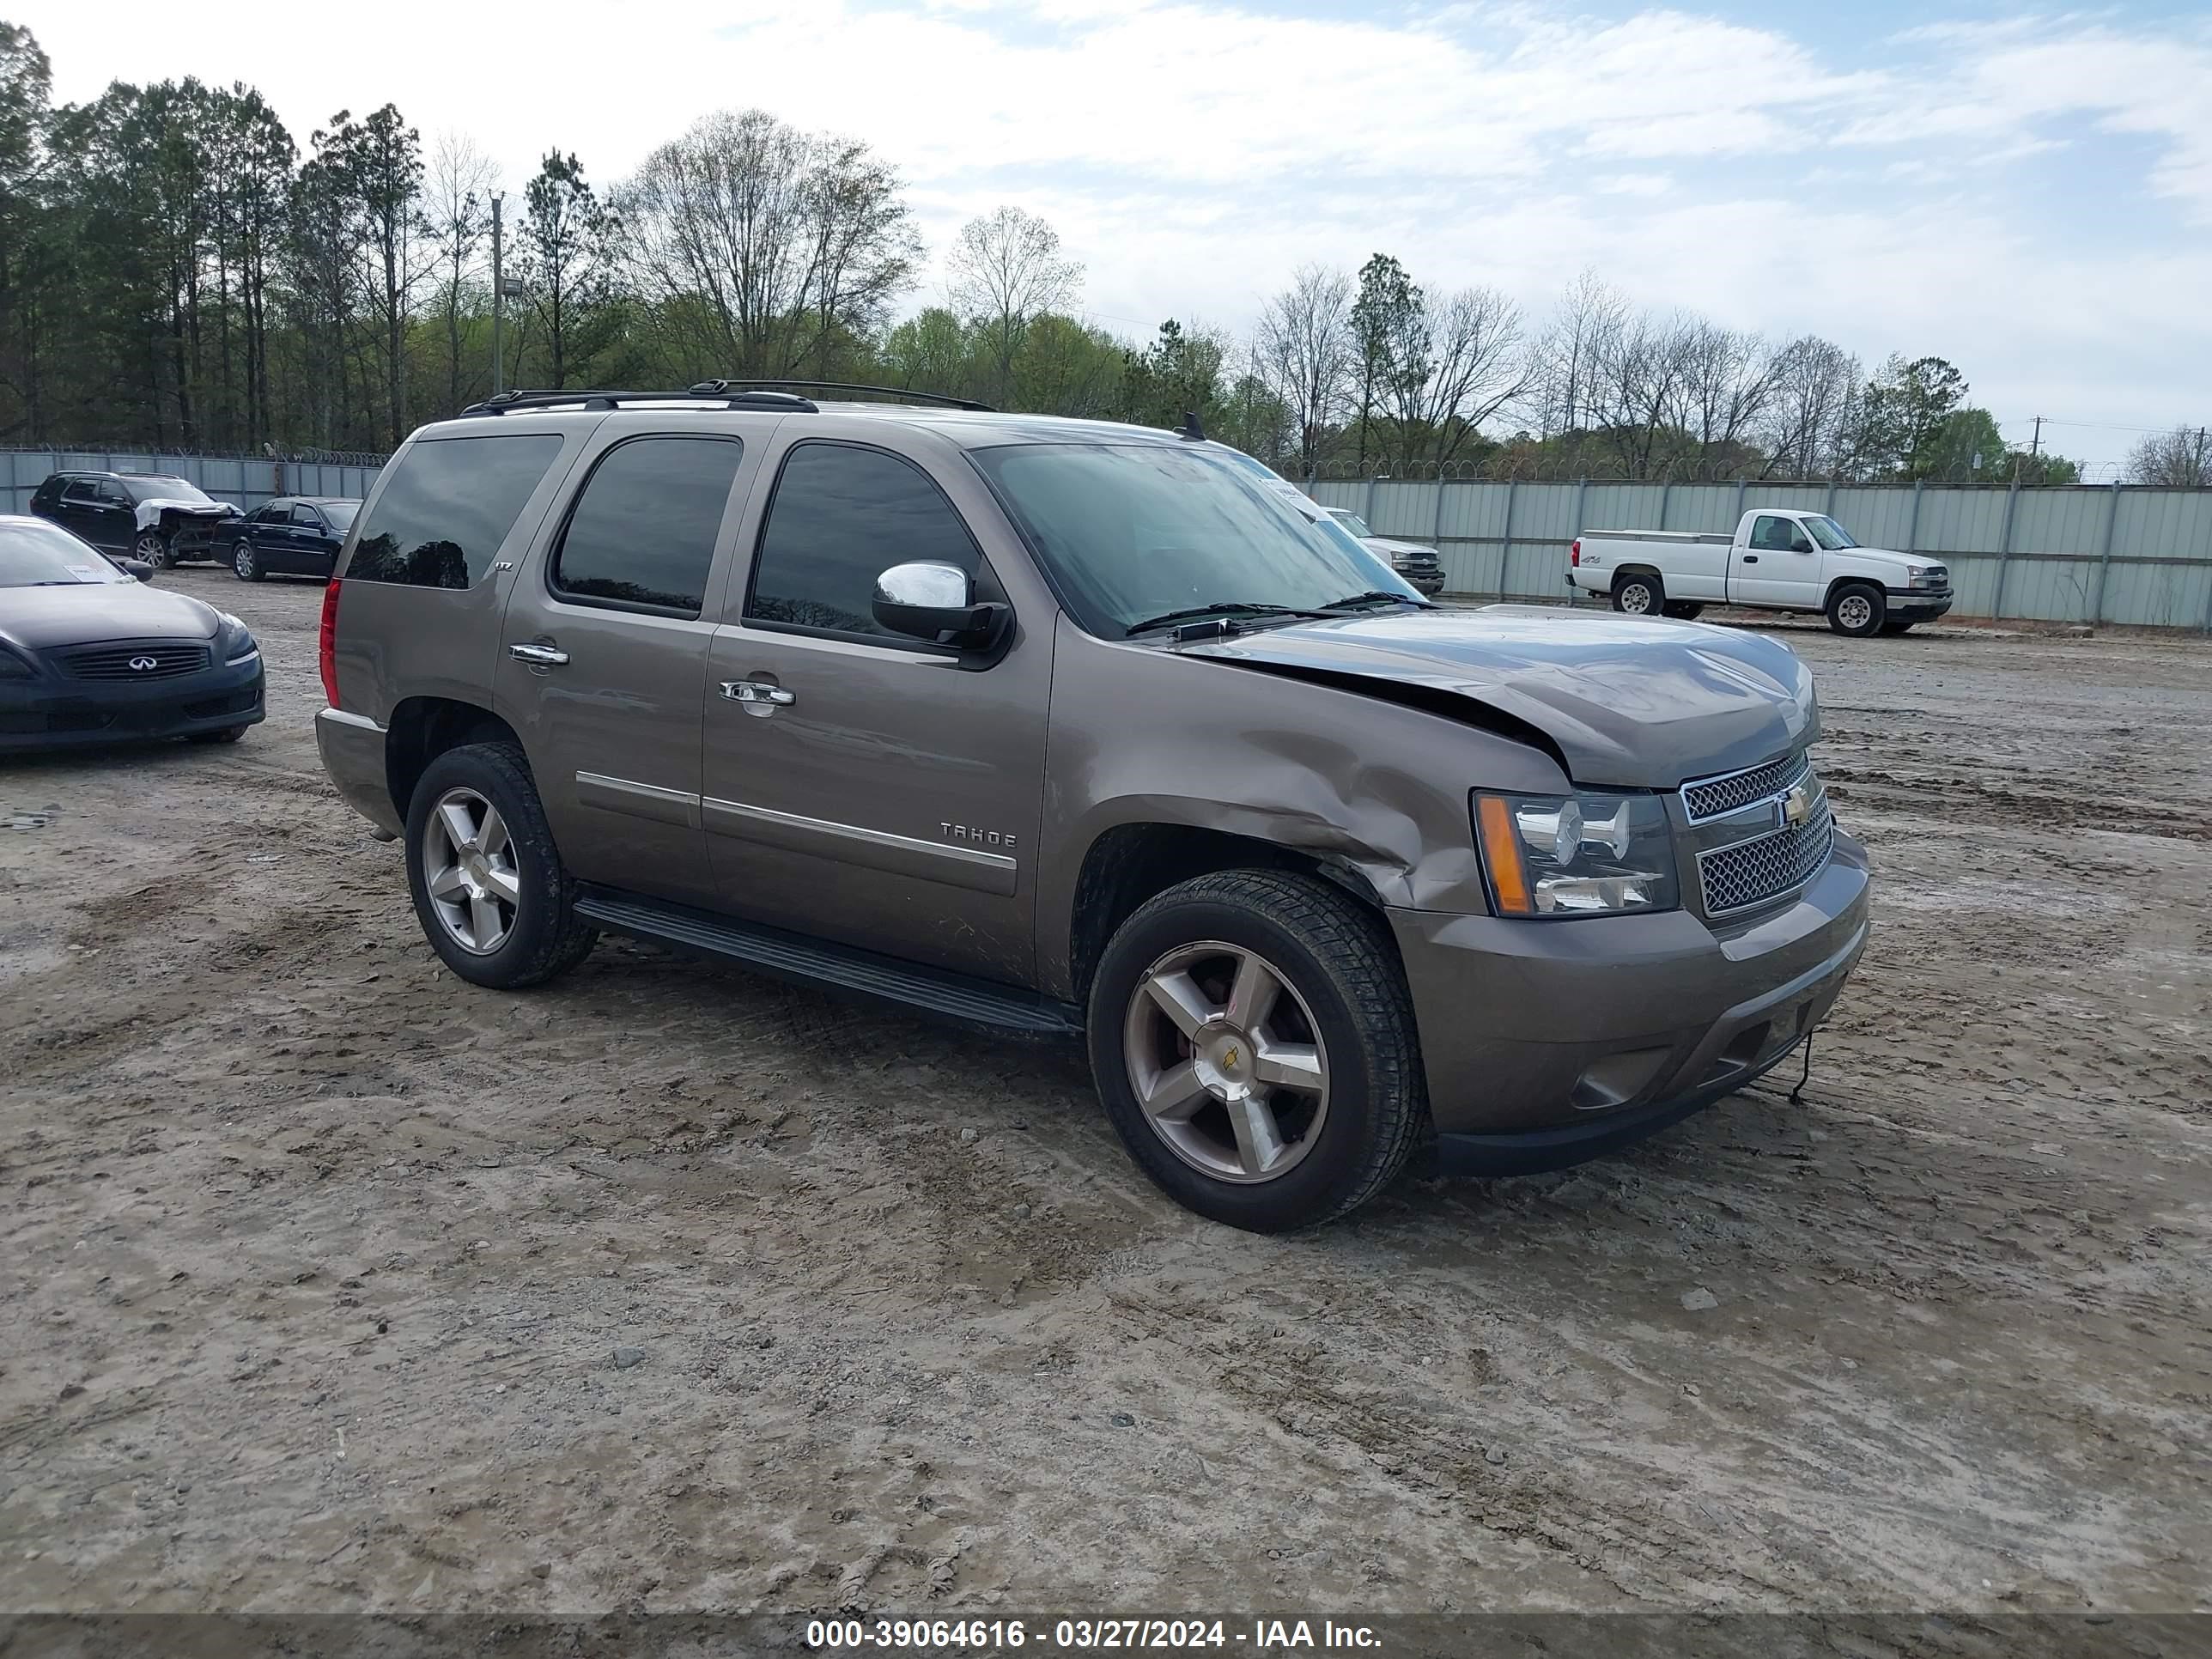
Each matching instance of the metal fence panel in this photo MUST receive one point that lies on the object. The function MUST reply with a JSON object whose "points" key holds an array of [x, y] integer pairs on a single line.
{"points": [[1876, 516], [2073, 553], [2161, 595], [245, 481]]}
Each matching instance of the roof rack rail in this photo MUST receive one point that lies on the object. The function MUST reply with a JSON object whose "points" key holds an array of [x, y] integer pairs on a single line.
{"points": [[502, 403], [902, 394]]}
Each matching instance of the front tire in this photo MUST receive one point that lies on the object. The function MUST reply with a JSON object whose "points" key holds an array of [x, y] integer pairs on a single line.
{"points": [[1857, 610], [1637, 594], [246, 563], [153, 547], [1253, 1042], [493, 896], [1896, 625], [1683, 609], [228, 734]]}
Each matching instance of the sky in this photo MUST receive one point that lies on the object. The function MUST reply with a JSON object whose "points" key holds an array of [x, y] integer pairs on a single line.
{"points": [[2027, 196]]}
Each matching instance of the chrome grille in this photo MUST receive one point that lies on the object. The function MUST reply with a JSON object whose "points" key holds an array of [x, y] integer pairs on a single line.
{"points": [[1752, 871], [161, 660], [1713, 798]]}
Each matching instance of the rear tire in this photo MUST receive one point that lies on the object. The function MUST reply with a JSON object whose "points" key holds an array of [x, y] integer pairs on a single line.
{"points": [[1250, 1148], [1857, 610], [1638, 593], [1683, 609], [246, 563], [502, 912], [153, 546]]}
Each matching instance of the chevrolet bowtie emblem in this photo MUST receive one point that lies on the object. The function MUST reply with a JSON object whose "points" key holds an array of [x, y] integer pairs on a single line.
{"points": [[1797, 805]]}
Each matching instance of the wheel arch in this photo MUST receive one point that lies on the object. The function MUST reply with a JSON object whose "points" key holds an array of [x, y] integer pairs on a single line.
{"points": [[1128, 864], [1840, 583], [1649, 570], [422, 728]]}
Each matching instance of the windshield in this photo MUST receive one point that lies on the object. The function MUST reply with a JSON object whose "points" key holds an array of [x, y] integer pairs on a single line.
{"points": [[1132, 532], [45, 556], [1826, 531], [1350, 521], [340, 513], [158, 488]]}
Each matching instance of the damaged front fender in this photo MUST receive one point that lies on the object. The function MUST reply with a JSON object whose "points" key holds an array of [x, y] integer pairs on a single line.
{"points": [[1375, 790]]}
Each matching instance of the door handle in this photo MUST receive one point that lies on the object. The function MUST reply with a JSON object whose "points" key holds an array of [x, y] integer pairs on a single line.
{"points": [[544, 656], [1751, 558], [755, 691]]}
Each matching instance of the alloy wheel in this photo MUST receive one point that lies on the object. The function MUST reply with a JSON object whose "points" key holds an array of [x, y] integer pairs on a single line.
{"points": [[468, 864], [1226, 1062]]}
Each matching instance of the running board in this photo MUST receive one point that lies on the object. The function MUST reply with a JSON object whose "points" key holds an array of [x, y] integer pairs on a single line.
{"points": [[979, 1003]]}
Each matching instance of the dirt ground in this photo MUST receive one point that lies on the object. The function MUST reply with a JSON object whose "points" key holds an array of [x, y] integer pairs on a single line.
{"points": [[330, 1282]]}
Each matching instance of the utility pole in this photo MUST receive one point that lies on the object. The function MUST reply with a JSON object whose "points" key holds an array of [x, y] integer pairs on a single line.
{"points": [[2035, 444], [498, 298]]}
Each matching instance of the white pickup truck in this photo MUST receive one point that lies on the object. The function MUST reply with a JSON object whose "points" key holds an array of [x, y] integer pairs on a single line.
{"points": [[1779, 559]]}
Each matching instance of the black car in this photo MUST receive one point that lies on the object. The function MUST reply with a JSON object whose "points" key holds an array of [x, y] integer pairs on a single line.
{"points": [[89, 655], [291, 536], [149, 515]]}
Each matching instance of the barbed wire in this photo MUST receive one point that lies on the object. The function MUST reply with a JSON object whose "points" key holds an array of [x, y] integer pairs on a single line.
{"points": [[303, 456]]}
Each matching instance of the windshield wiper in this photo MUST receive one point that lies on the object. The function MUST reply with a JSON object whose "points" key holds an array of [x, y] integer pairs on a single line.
{"points": [[1219, 608], [1374, 594]]}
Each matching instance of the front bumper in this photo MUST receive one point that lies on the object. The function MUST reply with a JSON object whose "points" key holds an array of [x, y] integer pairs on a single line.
{"points": [[352, 748], [1917, 604], [51, 711], [1546, 1043], [196, 538], [1427, 583]]}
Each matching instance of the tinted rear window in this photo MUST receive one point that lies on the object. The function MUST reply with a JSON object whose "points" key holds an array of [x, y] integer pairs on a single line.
{"points": [[447, 507], [643, 531]]}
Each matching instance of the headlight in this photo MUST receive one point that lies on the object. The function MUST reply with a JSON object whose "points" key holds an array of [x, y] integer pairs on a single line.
{"points": [[1918, 575], [236, 641], [1557, 856]]}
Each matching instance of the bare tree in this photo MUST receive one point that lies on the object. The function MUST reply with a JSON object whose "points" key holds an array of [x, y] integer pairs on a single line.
{"points": [[1303, 350], [777, 249], [1468, 363], [1641, 391], [1805, 426], [2179, 459], [457, 208], [1729, 379], [1584, 328], [1004, 272]]}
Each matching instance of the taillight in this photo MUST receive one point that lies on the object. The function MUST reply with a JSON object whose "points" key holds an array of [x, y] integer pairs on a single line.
{"points": [[328, 646], [1575, 552]]}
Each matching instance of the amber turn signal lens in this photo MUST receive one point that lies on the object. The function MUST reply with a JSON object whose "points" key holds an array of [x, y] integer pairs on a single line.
{"points": [[1501, 854]]}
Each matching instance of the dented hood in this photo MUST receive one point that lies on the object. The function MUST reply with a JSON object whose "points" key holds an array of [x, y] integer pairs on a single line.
{"points": [[1629, 703]]}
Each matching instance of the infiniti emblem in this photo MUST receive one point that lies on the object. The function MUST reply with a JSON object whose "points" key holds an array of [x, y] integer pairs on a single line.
{"points": [[145, 664]]}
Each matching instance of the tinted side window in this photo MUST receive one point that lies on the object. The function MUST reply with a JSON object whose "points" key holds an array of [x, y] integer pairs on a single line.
{"points": [[83, 491], [444, 513], [840, 516], [643, 529], [306, 517], [275, 513]]}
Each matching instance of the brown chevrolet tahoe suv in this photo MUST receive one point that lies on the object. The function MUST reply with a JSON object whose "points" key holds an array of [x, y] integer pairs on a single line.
{"points": [[1057, 728]]}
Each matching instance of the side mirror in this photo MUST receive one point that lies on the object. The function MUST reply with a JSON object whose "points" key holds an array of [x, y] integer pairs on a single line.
{"points": [[136, 567], [937, 603]]}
